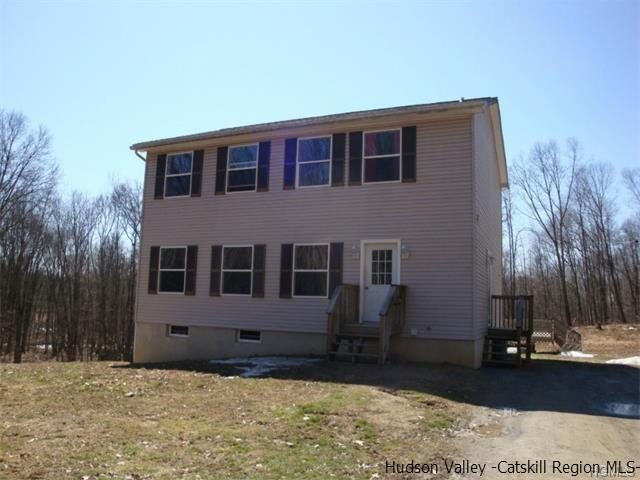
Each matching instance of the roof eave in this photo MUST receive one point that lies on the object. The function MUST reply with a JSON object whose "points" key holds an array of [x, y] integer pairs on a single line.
{"points": [[456, 106], [498, 139]]}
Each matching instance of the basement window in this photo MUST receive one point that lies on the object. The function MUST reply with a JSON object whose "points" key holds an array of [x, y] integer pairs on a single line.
{"points": [[250, 336], [178, 331]]}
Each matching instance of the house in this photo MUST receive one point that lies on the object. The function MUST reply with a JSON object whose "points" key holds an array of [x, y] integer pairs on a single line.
{"points": [[302, 236]]}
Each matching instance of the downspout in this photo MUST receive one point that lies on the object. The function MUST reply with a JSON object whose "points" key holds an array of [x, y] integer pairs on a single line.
{"points": [[139, 156], [139, 276]]}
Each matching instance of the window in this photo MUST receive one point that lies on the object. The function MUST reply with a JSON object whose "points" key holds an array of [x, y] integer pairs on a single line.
{"points": [[314, 161], [237, 264], [382, 156], [252, 336], [178, 175], [310, 270], [381, 267], [178, 331], [172, 269], [242, 168]]}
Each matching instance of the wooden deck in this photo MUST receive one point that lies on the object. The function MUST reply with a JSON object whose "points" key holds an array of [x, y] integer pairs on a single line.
{"points": [[347, 338]]}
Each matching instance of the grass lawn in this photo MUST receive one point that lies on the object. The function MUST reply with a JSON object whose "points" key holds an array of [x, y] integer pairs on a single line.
{"points": [[105, 420]]}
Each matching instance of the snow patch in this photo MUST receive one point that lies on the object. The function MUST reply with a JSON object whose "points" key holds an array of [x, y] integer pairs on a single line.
{"points": [[256, 366], [577, 354], [626, 361]]}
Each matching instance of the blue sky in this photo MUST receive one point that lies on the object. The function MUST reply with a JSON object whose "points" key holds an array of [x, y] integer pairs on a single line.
{"points": [[101, 76]]}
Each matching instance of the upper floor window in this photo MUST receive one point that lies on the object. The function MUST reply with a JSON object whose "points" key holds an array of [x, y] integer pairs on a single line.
{"points": [[314, 161], [172, 269], [310, 270], [237, 268], [242, 168], [382, 156], [178, 174]]}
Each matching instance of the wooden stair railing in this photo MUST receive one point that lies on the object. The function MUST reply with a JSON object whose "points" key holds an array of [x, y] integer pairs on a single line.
{"points": [[343, 308], [392, 318]]}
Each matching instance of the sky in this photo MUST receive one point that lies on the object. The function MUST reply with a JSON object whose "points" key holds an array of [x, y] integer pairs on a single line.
{"points": [[104, 75]]}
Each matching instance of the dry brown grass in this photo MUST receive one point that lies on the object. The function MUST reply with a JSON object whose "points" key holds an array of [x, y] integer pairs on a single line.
{"points": [[612, 341], [96, 420]]}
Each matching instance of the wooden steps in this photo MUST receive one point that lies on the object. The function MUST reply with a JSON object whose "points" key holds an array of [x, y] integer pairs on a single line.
{"points": [[347, 338], [499, 348], [354, 347]]}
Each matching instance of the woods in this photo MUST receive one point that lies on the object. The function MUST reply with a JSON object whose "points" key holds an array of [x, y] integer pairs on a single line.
{"points": [[571, 250], [67, 263]]}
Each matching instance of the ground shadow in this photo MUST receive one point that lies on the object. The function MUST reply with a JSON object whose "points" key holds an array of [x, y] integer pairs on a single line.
{"points": [[545, 384]]}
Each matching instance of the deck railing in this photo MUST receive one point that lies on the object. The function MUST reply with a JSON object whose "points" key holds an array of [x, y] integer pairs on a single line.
{"points": [[512, 312], [343, 307], [392, 318]]}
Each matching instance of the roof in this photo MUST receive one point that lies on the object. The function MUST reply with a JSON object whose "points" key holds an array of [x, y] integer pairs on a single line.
{"points": [[448, 106]]}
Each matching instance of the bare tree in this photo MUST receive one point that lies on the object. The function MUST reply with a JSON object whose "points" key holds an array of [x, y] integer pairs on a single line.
{"points": [[547, 185], [27, 173]]}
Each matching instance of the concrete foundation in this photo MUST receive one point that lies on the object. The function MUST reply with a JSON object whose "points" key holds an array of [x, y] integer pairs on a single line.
{"points": [[153, 344]]}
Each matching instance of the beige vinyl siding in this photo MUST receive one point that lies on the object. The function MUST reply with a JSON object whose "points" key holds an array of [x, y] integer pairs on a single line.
{"points": [[432, 217], [488, 222]]}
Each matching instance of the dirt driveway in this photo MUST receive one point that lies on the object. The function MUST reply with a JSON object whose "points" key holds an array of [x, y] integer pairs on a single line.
{"points": [[568, 411]]}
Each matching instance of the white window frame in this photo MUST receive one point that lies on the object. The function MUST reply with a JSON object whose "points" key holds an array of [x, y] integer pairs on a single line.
{"points": [[184, 270], [222, 270], [229, 169], [246, 340], [179, 335], [294, 270], [298, 162], [167, 175], [365, 157]]}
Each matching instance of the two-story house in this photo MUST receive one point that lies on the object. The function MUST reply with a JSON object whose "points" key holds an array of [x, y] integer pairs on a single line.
{"points": [[301, 236]]}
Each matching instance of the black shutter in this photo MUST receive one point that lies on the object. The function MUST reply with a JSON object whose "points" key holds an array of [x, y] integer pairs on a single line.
{"points": [[286, 270], [355, 158], [290, 147], [409, 154], [335, 266], [192, 263], [161, 165], [264, 155], [337, 159], [259, 257], [216, 265], [196, 173], [221, 170], [154, 260]]}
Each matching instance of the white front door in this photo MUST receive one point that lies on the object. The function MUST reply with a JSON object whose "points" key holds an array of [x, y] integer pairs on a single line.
{"points": [[381, 262]]}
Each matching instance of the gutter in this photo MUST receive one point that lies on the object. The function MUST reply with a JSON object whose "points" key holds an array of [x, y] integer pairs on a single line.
{"points": [[140, 156]]}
